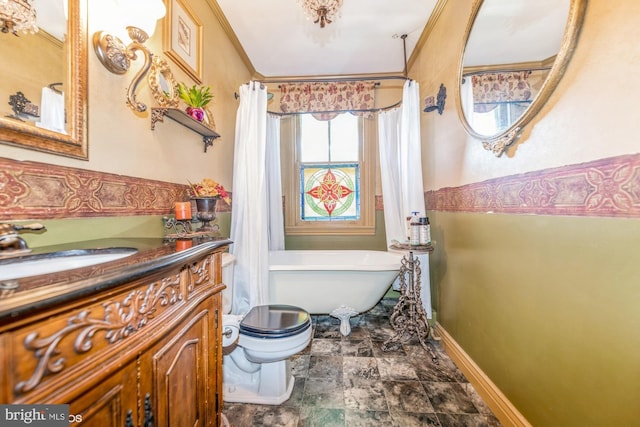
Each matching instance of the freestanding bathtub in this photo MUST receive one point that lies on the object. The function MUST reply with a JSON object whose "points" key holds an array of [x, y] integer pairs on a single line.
{"points": [[342, 283]]}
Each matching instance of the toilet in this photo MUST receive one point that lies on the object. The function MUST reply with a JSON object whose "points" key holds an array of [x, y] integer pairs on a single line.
{"points": [[257, 347]]}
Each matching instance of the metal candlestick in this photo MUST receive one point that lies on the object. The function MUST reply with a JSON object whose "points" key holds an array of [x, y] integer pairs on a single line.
{"points": [[179, 227]]}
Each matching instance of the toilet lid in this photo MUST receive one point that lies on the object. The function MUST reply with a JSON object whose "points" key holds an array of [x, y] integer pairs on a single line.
{"points": [[275, 321]]}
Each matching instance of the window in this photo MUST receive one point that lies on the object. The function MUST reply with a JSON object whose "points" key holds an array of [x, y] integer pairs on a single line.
{"points": [[329, 189], [499, 116]]}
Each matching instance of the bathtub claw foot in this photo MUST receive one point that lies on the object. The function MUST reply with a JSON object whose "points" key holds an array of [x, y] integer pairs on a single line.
{"points": [[344, 313]]}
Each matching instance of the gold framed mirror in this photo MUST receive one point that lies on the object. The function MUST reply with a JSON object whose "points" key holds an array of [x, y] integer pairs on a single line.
{"points": [[514, 55], [163, 86], [61, 95]]}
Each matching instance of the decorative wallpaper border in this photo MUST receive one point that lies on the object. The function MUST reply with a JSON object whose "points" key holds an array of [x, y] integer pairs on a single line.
{"points": [[31, 190], [607, 187]]}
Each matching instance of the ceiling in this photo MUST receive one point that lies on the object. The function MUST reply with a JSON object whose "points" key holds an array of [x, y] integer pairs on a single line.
{"points": [[516, 31], [280, 41], [51, 17], [364, 39]]}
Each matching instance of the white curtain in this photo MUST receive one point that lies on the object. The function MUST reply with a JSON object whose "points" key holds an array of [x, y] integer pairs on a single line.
{"points": [[274, 184], [249, 216], [466, 97], [401, 175], [389, 142], [401, 163]]}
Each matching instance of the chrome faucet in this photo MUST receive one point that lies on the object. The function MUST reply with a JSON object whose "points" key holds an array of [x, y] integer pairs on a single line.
{"points": [[10, 242]]}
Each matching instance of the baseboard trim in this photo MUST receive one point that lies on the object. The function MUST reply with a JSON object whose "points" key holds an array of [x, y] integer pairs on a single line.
{"points": [[502, 408]]}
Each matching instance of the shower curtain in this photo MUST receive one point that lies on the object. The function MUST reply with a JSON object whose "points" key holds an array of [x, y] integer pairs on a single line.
{"points": [[274, 184], [401, 174], [401, 162], [252, 180]]}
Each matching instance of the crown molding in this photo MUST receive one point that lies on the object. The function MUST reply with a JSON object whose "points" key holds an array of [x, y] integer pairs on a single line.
{"points": [[431, 23], [228, 30]]}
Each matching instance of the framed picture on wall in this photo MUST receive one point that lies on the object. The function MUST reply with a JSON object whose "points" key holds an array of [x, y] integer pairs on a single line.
{"points": [[182, 38]]}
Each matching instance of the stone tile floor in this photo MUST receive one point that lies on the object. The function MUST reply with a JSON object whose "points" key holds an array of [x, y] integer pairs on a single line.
{"points": [[350, 381]]}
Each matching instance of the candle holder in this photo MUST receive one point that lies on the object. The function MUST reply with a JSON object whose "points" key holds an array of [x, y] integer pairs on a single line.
{"points": [[181, 228]]}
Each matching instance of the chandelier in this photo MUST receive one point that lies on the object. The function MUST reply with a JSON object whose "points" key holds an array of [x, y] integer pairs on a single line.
{"points": [[17, 15], [321, 11]]}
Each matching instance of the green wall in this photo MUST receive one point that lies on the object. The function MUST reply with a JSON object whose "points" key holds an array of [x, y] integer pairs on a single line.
{"points": [[373, 242], [61, 231], [548, 307], [81, 229]]}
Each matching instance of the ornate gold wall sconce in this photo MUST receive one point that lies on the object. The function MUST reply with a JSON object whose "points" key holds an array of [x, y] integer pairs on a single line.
{"points": [[141, 15]]}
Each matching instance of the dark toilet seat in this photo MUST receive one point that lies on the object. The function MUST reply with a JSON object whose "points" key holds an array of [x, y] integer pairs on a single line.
{"points": [[275, 321]]}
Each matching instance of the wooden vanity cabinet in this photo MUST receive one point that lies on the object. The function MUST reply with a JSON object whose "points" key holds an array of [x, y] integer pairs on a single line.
{"points": [[110, 404], [147, 353]]}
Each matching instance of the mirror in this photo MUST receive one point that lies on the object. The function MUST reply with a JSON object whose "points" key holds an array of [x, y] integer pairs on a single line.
{"points": [[49, 70], [163, 86], [514, 57]]}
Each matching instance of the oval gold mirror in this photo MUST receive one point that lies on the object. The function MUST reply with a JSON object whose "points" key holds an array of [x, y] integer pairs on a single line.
{"points": [[45, 82], [514, 56], [163, 86]]}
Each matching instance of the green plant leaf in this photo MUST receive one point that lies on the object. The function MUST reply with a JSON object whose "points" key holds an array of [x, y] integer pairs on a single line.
{"points": [[195, 96]]}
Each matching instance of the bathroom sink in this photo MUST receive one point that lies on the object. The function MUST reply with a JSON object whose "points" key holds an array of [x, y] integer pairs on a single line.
{"points": [[53, 262]]}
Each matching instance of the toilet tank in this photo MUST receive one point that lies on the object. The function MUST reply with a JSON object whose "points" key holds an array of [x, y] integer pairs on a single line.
{"points": [[228, 262]]}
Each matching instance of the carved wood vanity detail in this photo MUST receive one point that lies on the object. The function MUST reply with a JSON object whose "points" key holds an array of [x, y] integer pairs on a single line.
{"points": [[145, 352]]}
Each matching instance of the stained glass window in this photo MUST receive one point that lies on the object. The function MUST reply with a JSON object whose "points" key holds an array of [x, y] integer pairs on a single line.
{"points": [[329, 169], [330, 192]]}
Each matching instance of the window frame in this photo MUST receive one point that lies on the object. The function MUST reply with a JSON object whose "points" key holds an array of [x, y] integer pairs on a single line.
{"points": [[294, 225]]}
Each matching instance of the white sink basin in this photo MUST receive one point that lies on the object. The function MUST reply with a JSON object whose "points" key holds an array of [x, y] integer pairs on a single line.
{"points": [[34, 265]]}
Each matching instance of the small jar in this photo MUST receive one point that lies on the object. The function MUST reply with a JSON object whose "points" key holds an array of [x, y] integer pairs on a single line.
{"points": [[425, 231]]}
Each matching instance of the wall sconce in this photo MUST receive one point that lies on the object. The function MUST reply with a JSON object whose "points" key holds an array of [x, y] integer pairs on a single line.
{"points": [[430, 105], [141, 17]]}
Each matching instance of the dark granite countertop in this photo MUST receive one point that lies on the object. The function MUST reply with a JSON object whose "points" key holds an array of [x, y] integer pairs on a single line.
{"points": [[20, 297]]}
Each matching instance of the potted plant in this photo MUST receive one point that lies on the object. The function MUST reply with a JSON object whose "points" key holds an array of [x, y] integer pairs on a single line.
{"points": [[206, 195], [196, 97], [209, 188]]}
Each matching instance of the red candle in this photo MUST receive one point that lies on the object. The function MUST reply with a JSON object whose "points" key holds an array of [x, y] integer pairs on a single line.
{"points": [[183, 210]]}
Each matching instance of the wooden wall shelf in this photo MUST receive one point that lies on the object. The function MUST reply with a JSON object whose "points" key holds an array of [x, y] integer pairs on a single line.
{"points": [[208, 134]]}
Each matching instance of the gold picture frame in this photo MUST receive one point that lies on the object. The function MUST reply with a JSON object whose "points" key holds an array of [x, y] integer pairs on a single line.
{"points": [[182, 38]]}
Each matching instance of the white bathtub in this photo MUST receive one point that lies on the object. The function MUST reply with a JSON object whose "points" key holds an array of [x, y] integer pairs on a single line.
{"points": [[342, 283]]}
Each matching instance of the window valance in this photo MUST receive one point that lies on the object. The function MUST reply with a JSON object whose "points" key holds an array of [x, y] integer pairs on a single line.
{"points": [[323, 97], [491, 88]]}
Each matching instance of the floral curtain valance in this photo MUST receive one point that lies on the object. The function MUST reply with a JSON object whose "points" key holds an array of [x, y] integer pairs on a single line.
{"points": [[511, 86], [327, 97]]}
